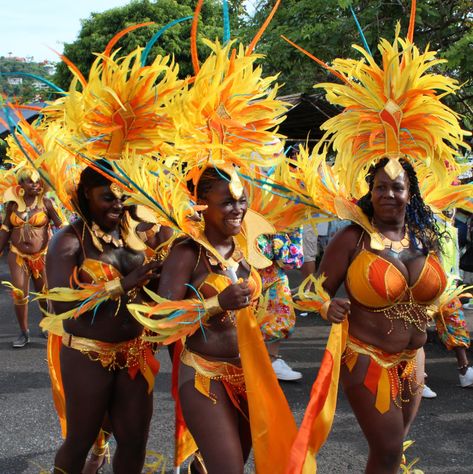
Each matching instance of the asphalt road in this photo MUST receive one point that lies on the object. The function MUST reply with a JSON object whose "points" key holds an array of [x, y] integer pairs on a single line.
{"points": [[29, 431]]}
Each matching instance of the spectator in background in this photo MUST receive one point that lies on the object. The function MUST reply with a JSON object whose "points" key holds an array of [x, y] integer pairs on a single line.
{"points": [[285, 250], [466, 259]]}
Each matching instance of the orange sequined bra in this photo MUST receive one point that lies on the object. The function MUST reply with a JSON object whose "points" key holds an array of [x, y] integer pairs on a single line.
{"points": [[98, 270], [40, 219], [375, 282]]}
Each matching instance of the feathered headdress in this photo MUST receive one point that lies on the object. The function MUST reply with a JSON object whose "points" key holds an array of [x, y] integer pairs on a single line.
{"points": [[120, 108], [227, 118], [24, 144], [392, 109], [223, 118]]}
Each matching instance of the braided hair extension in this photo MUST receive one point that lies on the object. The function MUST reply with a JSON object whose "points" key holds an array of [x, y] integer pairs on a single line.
{"points": [[420, 220]]}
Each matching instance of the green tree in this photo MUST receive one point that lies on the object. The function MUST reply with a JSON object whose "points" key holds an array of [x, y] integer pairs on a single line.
{"points": [[327, 29], [99, 28], [3, 150]]}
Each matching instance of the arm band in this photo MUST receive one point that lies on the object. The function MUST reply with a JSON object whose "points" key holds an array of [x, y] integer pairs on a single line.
{"points": [[212, 306], [114, 288]]}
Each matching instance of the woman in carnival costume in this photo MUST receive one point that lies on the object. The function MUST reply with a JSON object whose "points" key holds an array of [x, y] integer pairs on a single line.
{"points": [[209, 287], [29, 216], [393, 124], [100, 366]]}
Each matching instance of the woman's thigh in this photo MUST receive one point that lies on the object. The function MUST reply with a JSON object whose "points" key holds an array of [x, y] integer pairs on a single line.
{"points": [[383, 431], [131, 408], [88, 387], [19, 277], [214, 426]]}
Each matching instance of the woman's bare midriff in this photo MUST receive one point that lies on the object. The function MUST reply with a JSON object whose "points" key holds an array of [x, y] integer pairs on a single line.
{"points": [[376, 329], [217, 339], [32, 241], [106, 324]]}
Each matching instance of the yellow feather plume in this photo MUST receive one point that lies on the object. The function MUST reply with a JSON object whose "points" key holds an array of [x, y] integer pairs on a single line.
{"points": [[121, 107], [228, 116], [392, 109]]}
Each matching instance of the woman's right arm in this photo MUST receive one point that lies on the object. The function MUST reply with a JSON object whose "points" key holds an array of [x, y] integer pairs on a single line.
{"points": [[6, 228], [61, 262], [334, 266], [177, 271]]}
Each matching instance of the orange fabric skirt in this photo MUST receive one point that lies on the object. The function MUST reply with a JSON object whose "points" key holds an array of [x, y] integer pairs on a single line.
{"points": [[33, 263], [387, 375], [230, 375]]}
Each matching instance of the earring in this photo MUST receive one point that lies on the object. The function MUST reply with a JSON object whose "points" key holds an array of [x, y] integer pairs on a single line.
{"points": [[21, 192]]}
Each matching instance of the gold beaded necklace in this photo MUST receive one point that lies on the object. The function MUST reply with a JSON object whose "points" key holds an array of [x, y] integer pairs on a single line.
{"points": [[396, 246], [105, 237], [233, 261]]}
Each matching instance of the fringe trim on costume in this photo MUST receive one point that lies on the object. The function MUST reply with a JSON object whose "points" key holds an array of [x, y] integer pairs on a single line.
{"points": [[387, 374]]}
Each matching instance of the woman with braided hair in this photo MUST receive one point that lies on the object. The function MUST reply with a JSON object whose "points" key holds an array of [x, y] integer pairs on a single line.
{"points": [[389, 292]]}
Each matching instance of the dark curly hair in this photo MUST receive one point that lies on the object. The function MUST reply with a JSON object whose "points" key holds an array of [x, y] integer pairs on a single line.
{"points": [[424, 231], [208, 178], [89, 179]]}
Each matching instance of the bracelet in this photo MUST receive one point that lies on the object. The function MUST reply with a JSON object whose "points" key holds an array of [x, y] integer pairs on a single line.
{"points": [[465, 366], [324, 309], [212, 306], [5, 228], [114, 288]]}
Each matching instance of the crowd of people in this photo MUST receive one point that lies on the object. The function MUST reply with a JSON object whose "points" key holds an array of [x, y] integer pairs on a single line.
{"points": [[188, 215]]}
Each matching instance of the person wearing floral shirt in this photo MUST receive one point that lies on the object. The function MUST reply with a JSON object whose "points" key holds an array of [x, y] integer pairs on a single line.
{"points": [[285, 251]]}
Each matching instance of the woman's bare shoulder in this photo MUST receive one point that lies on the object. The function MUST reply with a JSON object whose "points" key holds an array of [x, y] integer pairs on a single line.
{"points": [[66, 241], [348, 236]]}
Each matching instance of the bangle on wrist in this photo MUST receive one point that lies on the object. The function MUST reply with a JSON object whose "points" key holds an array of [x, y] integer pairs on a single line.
{"points": [[212, 306], [324, 309], [114, 288], [5, 228]]}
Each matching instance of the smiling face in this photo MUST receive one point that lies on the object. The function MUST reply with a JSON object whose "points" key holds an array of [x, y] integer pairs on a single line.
{"points": [[390, 197], [106, 209], [32, 188], [224, 213]]}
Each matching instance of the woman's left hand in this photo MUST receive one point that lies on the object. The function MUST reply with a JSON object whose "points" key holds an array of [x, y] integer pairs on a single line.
{"points": [[141, 275], [338, 310]]}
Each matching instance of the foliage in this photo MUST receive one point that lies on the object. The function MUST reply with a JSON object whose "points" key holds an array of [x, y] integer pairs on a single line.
{"points": [[99, 28], [26, 89], [3, 150], [327, 29]]}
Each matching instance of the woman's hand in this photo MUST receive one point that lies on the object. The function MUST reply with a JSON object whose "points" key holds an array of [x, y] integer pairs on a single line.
{"points": [[141, 275], [236, 296], [338, 310]]}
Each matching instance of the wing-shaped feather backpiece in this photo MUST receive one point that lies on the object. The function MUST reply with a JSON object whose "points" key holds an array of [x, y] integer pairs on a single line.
{"points": [[444, 191]]}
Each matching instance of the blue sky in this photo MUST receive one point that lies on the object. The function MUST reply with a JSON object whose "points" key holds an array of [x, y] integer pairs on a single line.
{"points": [[28, 27]]}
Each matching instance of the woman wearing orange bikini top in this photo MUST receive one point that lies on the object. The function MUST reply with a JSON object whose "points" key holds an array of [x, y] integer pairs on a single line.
{"points": [[389, 293], [106, 369], [26, 227], [211, 381]]}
